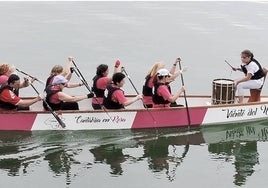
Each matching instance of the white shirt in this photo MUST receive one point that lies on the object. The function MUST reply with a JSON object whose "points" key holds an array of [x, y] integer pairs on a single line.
{"points": [[252, 67]]}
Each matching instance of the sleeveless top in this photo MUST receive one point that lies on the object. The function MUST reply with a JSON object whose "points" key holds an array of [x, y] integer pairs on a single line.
{"points": [[157, 99], [7, 105], [98, 92], [146, 90], [257, 75], [50, 93]]}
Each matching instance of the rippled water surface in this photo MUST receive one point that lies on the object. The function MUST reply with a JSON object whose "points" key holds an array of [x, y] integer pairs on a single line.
{"points": [[37, 35], [222, 156]]}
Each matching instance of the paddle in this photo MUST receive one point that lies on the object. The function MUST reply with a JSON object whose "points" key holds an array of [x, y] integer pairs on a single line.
{"points": [[81, 77], [186, 103], [62, 124], [40, 81], [138, 94]]}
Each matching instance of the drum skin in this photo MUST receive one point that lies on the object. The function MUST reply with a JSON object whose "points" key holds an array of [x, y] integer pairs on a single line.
{"points": [[223, 91]]}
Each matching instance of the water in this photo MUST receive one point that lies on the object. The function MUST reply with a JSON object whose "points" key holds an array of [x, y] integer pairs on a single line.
{"points": [[37, 35], [232, 155]]}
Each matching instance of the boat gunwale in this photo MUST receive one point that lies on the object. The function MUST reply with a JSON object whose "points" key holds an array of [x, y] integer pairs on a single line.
{"points": [[138, 109]]}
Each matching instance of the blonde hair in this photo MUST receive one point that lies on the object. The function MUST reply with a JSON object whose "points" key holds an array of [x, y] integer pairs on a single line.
{"points": [[57, 69], [12, 69], [158, 65], [4, 68]]}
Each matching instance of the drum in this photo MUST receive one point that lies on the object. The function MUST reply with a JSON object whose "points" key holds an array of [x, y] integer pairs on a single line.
{"points": [[223, 91]]}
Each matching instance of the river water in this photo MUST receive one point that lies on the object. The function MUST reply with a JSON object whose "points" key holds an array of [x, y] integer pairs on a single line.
{"points": [[34, 36]]}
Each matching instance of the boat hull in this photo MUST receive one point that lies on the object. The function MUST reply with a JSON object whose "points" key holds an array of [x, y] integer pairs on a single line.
{"points": [[195, 115]]}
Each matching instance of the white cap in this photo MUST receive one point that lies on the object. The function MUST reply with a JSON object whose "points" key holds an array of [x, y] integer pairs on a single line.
{"points": [[59, 79], [163, 72]]}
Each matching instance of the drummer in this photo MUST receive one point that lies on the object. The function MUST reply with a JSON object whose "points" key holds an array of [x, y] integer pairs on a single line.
{"points": [[254, 76]]}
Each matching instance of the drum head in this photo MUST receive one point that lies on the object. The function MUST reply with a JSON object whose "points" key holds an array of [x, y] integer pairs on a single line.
{"points": [[223, 81]]}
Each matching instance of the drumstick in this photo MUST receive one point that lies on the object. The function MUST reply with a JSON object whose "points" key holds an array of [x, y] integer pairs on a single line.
{"points": [[230, 65]]}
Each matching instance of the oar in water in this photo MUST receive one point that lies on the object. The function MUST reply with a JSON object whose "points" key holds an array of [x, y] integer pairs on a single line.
{"points": [[62, 124], [30, 76], [186, 103], [124, 70]]}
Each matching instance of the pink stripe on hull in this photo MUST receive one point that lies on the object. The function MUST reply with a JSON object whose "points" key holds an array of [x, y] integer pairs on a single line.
{"points": [[168, 118], [17, 121]]}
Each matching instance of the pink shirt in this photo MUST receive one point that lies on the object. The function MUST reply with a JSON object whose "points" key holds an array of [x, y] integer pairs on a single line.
{"points": [[164, 92], [101, 84], [118, 96], [3, 79]]}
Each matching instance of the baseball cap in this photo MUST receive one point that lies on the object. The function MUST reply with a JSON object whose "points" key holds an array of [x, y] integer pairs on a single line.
{"points": [[59, 79], [163, 72]]}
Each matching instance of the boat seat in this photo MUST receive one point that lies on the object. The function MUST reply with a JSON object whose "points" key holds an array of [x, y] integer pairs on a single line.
{"points": [[255, 94]]}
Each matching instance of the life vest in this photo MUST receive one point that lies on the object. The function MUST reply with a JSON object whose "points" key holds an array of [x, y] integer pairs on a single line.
{"points": [[50, 93], [108, 102], [146, 90], [159, 99], [49, 81], [98, 92], [257, 75], [7, 105]]}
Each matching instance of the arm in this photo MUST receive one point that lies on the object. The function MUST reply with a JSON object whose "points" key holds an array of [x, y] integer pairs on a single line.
{"points": [[72, 85], [238, 68], [67, 98], [246, 78], [116, 66], [25, 82], [29, 102], [131, 101], [173, 68], [120, 97], [178, 73], [176, 96], [66, 72]]}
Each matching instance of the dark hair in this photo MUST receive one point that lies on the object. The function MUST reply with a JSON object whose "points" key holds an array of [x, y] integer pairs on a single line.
{"points": [[101, 69], [13, 78], [248, 53], [118, 77]]}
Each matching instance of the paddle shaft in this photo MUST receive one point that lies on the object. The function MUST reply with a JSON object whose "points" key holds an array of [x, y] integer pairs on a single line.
{"points": [[186, 103], [131, 81], [81, 77], [62, 124], [138, 94], [79, 71], [30, 76]]}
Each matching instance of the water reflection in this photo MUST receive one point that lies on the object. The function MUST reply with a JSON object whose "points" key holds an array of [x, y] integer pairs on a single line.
{"points": [[240, 144], [110, 155], [166, 152], [13, 164], [162, 150]]}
